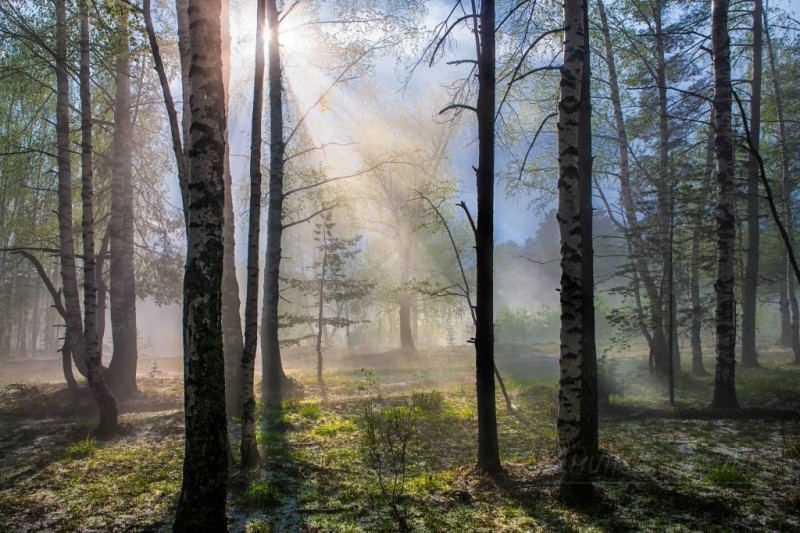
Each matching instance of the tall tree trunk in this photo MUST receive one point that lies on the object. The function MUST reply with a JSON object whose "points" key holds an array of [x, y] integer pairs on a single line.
{"points": [[488, 447], [725, 375], [405, 297], [231, 303], [577, 438], [321, 305], [786, 196], [122, 368], [589, 422], [698, 369], [274, 379], [663, 190], [201, 506], [104, 399], [69, 279], [656, 339], [249, 445], [750, 287]]}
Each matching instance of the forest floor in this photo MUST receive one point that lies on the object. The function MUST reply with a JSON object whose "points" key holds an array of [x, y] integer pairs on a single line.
{"points": [[336, 462]]}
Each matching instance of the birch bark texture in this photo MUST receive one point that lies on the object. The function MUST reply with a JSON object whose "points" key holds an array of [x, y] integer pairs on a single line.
{"points": [[577, 443], [201, 506], [725, 374]]}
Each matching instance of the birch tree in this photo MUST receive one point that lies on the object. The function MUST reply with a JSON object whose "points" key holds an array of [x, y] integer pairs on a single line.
{"points": [[205, 468]]}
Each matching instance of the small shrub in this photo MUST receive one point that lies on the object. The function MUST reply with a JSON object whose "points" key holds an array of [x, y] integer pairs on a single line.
{"points": [[389, 434], [311, 411], [83, 448], [728, 474], [259, 495], [429, 402]]}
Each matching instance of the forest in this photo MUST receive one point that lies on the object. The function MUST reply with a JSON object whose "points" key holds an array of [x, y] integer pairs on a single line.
{"points": [[379, 265]]}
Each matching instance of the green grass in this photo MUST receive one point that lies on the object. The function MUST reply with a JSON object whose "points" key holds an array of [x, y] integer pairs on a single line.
{"points": [[315, 475], [259, 495], [83, 448], [728, 474]]}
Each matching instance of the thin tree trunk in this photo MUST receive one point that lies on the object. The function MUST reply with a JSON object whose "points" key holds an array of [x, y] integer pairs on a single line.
{"points": [[406, 332], [698, 369], [104, 399], [750, 287], [663, 188], [786, 197], [202, 503], [274, 379], [656, 339], [321, 305], [174, 126], [65, 237], [231, 302], [725, 375], [488, 447], [249, 445], [589, 405], [122, 368]]}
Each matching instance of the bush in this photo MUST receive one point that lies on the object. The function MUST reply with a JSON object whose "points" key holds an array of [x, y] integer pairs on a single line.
{"points": [[389, 434]]}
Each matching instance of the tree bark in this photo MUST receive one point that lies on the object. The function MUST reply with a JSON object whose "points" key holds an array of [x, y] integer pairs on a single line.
{"points": [[725, 375], [488, 447], [663, 190], [122, 368], [698, 369], [69, 279], [231, 302], [249, 445], [589, 422], [202, 502], [405, 299], [106, 402], [750, 286], [577, 442], [274, 378]]}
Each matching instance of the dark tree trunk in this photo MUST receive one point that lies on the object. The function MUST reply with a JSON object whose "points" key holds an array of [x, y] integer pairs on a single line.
{"points": [[725, 375], [249, 445], [231, 302], [488, 448], [274, 379], [74, 323], [750, 287], [202, 502], [588, 430], [66, 363], [122, 368], [405, 299], [104, 399], [663, 365], [698, 369]]}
